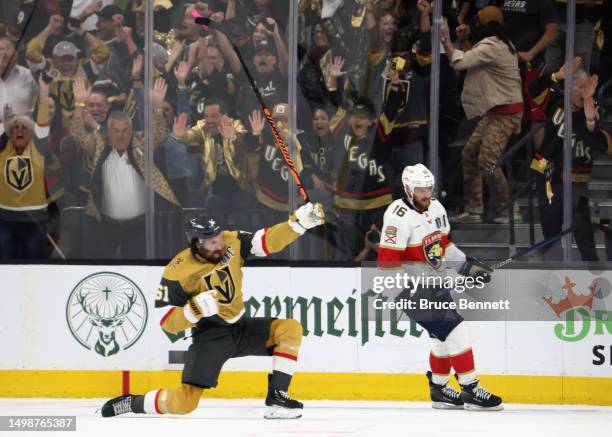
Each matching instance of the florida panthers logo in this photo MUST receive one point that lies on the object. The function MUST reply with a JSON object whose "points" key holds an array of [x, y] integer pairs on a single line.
{"points": [[432, 248]]}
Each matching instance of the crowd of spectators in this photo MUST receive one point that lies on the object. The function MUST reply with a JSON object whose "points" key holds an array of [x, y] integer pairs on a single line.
{"points": [[72, 111]]}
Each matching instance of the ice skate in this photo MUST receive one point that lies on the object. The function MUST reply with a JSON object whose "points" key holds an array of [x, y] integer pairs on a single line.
{"points": [[444, 397], [279, 405], [116, 406], [477, 398]]}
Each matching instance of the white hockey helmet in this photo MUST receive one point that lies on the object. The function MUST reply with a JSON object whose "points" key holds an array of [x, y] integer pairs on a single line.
{"points": [[415, 176]]}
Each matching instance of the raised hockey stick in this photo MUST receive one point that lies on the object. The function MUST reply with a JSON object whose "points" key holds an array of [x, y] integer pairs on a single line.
{"points": [[199, 19], [531, 249]]}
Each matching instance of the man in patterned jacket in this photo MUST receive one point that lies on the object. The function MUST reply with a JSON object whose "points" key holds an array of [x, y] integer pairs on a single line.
{"points": [[116, 199]]}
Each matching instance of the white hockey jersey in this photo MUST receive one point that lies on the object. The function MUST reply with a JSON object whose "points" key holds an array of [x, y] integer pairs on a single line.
{"points": [[421, 239]]}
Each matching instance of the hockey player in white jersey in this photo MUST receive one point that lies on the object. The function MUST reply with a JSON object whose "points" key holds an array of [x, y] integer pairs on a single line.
{"points": [[416, 232]]}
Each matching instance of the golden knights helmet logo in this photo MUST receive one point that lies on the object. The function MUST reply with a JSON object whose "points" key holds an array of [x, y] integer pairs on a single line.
{"points": [[18, 172], [106, 312], [222, 281], [432, 249]]}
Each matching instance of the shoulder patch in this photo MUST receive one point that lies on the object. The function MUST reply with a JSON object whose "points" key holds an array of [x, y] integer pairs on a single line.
{"points": [[391, 235]]}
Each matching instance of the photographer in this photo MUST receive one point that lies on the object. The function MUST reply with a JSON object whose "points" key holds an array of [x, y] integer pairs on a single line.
{"points": [[371, 242]]}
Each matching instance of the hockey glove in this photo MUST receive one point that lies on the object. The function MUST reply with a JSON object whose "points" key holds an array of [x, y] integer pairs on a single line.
{"points": [[307, 217], [201, 305], [475, 268]]}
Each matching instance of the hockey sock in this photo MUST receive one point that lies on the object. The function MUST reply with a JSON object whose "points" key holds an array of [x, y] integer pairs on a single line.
{"points": [[459, 349], [182, 400], [279, 381], [151, 402], [440, 369], [464, 366], [283, 366], [285, 337]]}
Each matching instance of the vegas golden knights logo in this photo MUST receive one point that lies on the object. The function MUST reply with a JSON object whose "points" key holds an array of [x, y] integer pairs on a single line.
{"points": [[432, 247], [222, 281], [18, 172]]}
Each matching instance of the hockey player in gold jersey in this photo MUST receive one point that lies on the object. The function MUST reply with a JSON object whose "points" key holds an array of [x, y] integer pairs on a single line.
{"points": [[201, 289]]}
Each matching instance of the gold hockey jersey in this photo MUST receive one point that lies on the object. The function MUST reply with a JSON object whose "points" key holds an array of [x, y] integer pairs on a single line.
{"points": [[185, 276]]}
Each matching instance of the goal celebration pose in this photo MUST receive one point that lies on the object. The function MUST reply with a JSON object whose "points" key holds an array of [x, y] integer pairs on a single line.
{"points": [[416, 231], [201, 289]]}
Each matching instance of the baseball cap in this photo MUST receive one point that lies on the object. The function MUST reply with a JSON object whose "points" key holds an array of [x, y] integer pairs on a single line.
{"points": [[65, 48], [489, 14], [363, 106], [281, 110], [159, 53], [265, 45], [107, 12]]}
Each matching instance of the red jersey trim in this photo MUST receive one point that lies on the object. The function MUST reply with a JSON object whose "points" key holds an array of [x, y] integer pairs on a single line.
{"points": [[263, 242], [383, 190], [161, 322]]}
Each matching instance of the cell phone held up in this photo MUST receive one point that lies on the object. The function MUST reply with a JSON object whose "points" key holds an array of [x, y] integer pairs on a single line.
{"points": [[46, 77], [262, 19], [74, 22], [373, 236]]}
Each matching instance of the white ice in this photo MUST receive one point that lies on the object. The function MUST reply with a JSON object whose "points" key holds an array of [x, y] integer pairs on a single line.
{"points": [[243, 418]]}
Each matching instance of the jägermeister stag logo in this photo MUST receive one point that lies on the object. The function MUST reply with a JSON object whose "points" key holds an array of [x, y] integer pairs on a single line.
{"points": [[107, 313]]}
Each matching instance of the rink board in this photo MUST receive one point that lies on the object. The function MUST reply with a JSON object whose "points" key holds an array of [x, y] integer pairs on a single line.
{"points": [[54, 319], [305, 385]]}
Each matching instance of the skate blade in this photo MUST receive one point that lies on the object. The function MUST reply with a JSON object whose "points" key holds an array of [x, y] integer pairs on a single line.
{"points": [[282, 413], [472, 407], [445, 406]]}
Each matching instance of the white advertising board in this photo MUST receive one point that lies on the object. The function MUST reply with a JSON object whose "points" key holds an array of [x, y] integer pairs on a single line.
{"points": [[52, 320]]}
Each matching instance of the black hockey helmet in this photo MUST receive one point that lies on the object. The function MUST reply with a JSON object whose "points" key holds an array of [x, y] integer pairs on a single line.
{"points": [[201, 227]]}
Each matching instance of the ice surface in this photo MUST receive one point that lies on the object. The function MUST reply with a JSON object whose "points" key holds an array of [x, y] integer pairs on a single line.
{"points": [[243, 418]]}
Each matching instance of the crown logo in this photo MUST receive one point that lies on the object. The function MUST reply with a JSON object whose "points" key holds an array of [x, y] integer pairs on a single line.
{"points": [[567, 298]]}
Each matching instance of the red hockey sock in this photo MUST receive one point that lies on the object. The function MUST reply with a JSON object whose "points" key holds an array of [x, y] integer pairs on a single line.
{"points": [[440, 368], [464, 366]]}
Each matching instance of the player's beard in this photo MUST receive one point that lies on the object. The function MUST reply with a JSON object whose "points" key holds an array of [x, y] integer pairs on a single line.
{"points": [[421, 206], [203, 255], [213, 256]]}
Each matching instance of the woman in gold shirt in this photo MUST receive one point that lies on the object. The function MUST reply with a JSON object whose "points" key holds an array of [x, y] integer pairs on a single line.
{"points": [[24, 197]]}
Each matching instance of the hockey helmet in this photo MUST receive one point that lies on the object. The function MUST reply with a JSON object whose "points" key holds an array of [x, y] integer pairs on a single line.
{"points": [[415, 176], [201, 228]]}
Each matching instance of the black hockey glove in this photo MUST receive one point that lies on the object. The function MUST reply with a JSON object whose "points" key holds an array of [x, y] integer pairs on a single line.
{"points": [[475, 268]]}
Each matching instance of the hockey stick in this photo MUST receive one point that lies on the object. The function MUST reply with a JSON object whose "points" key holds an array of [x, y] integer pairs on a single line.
{"points": [[199, 19], [531, 249]]}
